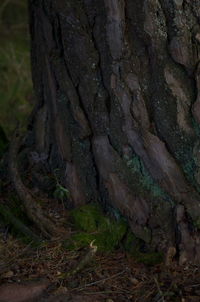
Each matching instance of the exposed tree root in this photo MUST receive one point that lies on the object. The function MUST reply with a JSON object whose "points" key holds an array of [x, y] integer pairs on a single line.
{"points": [[33, 209], [22, 228]]}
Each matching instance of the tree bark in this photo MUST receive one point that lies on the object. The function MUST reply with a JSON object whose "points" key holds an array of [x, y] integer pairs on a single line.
{"points": [[118, 110]]}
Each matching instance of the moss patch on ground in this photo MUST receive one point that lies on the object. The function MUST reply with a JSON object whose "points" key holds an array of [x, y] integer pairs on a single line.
{"points": [[93, 224]]}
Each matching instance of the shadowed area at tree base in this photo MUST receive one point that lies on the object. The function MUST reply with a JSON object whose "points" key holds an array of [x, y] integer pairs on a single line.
{"points": [[108, 234], [89, 224]]}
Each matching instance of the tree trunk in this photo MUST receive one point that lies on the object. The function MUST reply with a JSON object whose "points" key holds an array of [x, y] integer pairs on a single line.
{"points": [[118, 110]]}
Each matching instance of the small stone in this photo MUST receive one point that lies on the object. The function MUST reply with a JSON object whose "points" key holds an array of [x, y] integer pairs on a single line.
{"points": [[197, 37], [134, 281], [60, 290]]}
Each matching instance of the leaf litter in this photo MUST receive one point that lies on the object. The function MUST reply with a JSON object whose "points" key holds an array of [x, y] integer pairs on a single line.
{"points": [[116, 276]]}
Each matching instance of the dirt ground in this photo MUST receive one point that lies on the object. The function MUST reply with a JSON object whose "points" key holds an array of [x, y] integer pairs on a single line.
{"points": [[38, 274]]}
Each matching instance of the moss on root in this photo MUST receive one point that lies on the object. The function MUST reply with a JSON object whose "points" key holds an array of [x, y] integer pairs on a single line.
{"points": [[134, 246]]}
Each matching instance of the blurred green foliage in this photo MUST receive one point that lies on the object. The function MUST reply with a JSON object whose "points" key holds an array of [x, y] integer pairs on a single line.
{"points": [[15, 84]]}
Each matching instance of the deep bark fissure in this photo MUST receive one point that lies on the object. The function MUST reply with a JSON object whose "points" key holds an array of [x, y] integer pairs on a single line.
{"points": [[90, 137], [99, 66]]}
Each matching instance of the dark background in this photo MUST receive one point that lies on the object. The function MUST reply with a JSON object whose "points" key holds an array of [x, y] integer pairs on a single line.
{"points": [[15, 76]]}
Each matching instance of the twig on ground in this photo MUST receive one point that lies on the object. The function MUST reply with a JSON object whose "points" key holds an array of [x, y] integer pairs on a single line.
{"points": [[86, 259], [8, 264]]}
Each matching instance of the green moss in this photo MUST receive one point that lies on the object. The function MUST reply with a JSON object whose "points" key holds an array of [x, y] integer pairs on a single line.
{"points": [[134, 247], [95, 225], [78, 240], [151, 258], [131, 242], [110, 234], [87, 217]]}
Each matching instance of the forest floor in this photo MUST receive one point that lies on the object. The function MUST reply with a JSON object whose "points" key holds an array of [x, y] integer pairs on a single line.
{"points": [[40, 273], [28, 273]]}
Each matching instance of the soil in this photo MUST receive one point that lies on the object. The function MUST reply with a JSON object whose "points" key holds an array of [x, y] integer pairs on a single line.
{"points": [[34, 274]]}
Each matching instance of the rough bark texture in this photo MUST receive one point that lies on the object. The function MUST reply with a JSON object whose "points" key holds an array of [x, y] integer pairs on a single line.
{"points": [[118, 110]]}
